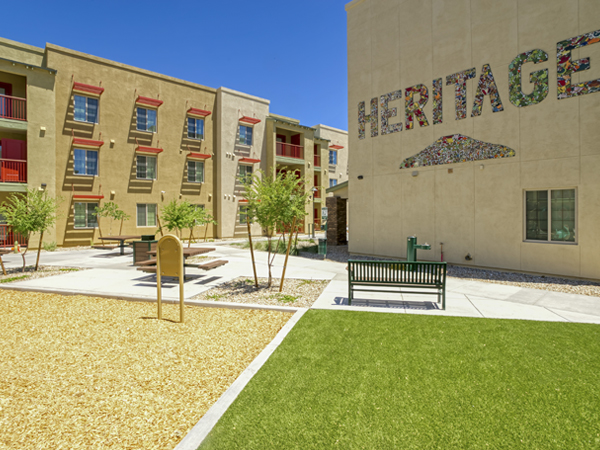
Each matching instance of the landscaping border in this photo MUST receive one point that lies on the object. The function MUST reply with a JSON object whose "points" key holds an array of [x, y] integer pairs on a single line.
{"points": [[198, 433]]}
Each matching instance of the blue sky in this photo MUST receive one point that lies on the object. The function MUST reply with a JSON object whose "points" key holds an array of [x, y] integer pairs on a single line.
{"points": [[292, 53]]}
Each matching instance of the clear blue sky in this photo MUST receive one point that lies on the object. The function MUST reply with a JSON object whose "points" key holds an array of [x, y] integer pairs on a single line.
{"points": [[290, 52]]}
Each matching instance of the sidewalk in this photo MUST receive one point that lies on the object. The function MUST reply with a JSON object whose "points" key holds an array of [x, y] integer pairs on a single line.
{"points": [[109, 274]]}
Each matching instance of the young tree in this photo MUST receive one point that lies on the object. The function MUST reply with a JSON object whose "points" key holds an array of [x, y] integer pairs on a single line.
{"points": [[275, 200], [179, 215], [112, 211], [31, 213]]}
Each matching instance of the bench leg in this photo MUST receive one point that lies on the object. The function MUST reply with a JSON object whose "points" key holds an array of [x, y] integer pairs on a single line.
{"points": [[349, 293], [444, 297]]}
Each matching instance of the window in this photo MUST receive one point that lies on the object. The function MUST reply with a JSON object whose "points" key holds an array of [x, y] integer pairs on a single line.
{"points": [[550, 215], [244, 173], [243, 211], [332, 182], [146, 120], [146, 167], [195, 128], [86, 109], [332, 157], [86, 162], [146, 215], [85, 215], [245, 135], [195, 171]]}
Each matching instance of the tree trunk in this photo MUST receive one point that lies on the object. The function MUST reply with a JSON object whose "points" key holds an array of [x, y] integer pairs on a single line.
{"points": [[99, 232], [37, 261], [205, 232], [251, 254], [190, 239], [268, 261], [159, 225], [287, 254], [121, 228]]}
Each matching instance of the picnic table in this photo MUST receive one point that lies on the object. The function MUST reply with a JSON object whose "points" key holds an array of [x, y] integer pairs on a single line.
{"points": [[150, 264], [121, 240], [190, 251]]}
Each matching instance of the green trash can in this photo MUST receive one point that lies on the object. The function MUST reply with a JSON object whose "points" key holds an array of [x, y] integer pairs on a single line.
{"points": [[322, 246], [147, 237]]}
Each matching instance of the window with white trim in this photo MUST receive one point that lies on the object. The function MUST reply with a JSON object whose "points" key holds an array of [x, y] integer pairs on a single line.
{"points": [[195, 128], [195, 171], [245, 135], [243, 213], [332, 157], [85, 162], [146, 167], [332, 182], [146, 215], [85, 215], [146, 120], [86, 109], [550, 215], [245, 173]]}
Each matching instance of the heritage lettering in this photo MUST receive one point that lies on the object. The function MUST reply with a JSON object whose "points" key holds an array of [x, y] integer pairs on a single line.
{"points": [[486, 87]]}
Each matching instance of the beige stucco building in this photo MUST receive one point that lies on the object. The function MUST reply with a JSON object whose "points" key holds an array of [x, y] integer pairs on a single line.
{"points": [[472, 124], [89, 130]]}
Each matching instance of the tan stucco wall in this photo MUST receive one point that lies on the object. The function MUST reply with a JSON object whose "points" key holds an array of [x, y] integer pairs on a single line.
{"points": [[117, 121], [232, 105], [335, 136], [472, 210], [37, 85]]}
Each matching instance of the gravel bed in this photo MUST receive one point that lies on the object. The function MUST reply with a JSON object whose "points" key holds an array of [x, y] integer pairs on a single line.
{"points": [[93, 373], [545, 282], [298, 293], [16, 274]]}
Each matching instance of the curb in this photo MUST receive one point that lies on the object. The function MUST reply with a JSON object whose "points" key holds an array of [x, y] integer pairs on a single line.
{"points": [[131, 298], [200, 431]]}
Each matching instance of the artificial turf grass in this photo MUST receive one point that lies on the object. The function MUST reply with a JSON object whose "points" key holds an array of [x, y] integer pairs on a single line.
{"points": [[380, 381]]}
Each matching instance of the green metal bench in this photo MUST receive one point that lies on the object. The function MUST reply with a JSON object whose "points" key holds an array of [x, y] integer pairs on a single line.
{"points": [[421, 275]]}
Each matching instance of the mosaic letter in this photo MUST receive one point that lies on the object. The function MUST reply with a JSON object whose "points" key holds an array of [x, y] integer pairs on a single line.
{"points": [[417, 110], [456, 149], [538, 78], [459, 79], [565, 66], [486, 86], [387, 113], [373, 118], [438, 115]]}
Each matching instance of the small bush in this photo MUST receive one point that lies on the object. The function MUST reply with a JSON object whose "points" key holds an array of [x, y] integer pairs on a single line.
{"points": [[8, 280], [49, 246], [286, 298]]}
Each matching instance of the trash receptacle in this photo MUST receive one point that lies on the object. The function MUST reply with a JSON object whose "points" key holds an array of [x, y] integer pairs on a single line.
{"points": [[322, 246], [141, 249], [147, 237]]}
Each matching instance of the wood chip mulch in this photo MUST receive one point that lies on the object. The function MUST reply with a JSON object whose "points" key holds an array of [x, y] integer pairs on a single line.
{"points": [[82, 372], [297, 293]]}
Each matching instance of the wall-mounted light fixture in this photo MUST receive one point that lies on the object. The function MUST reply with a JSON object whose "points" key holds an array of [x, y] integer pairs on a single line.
{"points": [[415, 173], [481, 166], [43, 185], [360, 177]]}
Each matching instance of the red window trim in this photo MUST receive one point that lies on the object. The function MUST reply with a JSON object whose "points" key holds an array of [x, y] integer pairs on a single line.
{"points": [[198, 156], [88, 88], [243, 201], [149, 101], [88, 197], [250, 120], [335, 147], [198, 112], [249, 160], [87, 142], [142, 149]]}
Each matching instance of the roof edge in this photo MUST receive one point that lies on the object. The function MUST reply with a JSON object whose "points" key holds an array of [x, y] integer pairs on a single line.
{"points": [[243, 95]]}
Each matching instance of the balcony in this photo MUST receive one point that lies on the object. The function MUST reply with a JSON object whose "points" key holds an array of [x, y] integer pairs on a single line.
{"points": [[317, 193], [13, 171], [13, 108], [8, 237], [290, 150], [317, 160]]}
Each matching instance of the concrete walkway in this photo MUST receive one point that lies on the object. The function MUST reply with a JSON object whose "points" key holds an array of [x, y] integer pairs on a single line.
{"points": [[109, 274]]}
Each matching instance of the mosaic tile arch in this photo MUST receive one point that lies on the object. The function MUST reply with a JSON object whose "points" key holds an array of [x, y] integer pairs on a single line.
{"points": [[539, 79], [456, 149], [566, 66]]}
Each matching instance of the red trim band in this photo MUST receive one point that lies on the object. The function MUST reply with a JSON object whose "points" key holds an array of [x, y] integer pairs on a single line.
{"points": [[149, 101], [335, 147], [251, 120], [87, 142], [89, 197], [198, 112], [96, 90], [143, 149], [250, 160], [198, 156]]}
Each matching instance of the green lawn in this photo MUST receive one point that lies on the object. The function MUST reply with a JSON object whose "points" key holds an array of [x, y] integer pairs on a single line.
{"points": [[354, 380]]}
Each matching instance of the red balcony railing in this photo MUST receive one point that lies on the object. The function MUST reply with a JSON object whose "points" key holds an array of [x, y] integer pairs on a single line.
{"points": [[317, 193], [13, 171], [317, 160], [8, 237], [13, 107], [290, 150], [317, 224]]}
